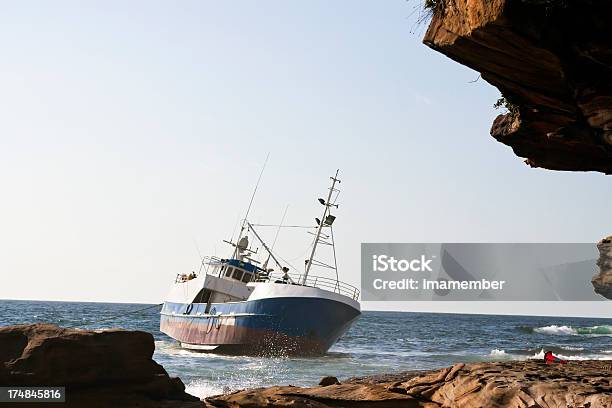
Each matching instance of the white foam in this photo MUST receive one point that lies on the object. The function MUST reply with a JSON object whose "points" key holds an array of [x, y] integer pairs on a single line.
{"points": [[498, 353], [203, 388], [175, 350], [572, 348], [540, 356], [554, 329]]}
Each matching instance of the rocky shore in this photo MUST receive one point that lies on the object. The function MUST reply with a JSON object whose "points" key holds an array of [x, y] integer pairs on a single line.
{"points": [[109, 368], [114, 368], [584, 384]]}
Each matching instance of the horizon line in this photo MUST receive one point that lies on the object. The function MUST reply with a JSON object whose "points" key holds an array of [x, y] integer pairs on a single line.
{"points": [[363, 310]]}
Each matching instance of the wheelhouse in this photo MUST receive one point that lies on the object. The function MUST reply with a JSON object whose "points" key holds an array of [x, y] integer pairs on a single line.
{"points": [[235, 269]]}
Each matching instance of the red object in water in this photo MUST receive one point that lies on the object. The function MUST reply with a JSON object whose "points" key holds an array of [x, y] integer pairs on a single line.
{"points": [[549, 358]]}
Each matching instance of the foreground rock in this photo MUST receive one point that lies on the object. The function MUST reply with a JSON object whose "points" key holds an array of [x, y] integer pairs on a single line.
{"points": [[585, 384], [602, 282], [98, 368], [552, 59]]}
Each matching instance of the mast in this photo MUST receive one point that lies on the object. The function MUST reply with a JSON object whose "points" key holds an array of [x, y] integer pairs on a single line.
{"points": [[327, 204]]}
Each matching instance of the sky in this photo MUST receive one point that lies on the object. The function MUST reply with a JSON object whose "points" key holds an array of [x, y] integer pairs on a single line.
{"points": [[132, 134]]}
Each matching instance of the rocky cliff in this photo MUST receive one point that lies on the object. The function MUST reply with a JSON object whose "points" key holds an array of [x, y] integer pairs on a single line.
{"points": [[494, 385], [109, 368], [602, 282], [552, 60]]}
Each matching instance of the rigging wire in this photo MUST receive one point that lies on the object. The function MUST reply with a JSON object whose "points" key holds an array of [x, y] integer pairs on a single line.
{"points": [[282, 226], [279, 227], [303, 254], [276, 236], [285, 261], [335, 259], [199, 254]]}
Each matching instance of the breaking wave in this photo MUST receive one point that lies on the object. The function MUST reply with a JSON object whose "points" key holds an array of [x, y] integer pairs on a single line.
{"points": [[540, 355], [604, 330], [499, 355], [202, 388]]}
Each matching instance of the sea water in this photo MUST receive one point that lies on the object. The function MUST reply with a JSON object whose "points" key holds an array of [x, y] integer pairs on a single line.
{"points": [[378, 342]]}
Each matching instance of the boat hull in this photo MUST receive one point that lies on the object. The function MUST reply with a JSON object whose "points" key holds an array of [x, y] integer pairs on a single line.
{"points": [[279, 325]]}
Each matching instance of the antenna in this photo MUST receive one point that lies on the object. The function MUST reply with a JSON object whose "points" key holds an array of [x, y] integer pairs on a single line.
{"points": [[246, 216]]}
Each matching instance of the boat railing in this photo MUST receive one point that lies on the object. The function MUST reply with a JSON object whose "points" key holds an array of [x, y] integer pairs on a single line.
{"points": [[211, 260], [321, 282], [207, 262]]}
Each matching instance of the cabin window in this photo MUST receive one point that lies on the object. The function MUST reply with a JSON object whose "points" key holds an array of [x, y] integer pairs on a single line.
{"points": [[237, 274], [228, 272], [246, 278]]}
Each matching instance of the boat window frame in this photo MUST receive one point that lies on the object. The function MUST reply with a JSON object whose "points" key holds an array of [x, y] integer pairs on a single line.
{"points": [[229, 271], [239, 272], [247, 274]]}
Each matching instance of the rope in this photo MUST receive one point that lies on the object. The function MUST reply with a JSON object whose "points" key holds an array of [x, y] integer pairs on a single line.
{"points": [[112, 317]]}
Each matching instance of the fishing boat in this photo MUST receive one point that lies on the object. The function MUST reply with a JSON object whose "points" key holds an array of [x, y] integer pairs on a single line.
{"points": [[242, 305]]}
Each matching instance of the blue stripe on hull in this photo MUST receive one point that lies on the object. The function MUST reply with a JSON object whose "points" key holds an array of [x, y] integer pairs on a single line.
{"points": [[315, 323]]}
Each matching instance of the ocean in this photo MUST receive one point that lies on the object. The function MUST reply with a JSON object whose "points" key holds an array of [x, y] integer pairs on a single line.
{"points": [[378, 342]]}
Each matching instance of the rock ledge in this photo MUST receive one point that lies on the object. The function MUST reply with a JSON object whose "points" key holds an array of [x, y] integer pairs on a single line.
{"points": [[98, 368], [584, 384]]}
